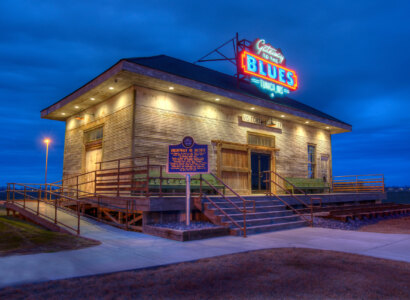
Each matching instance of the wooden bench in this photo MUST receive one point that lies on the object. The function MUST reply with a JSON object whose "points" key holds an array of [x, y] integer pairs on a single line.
{"points": [[308, 185], [174, 183]]}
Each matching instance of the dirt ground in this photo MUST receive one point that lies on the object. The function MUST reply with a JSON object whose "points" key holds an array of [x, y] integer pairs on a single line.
{"points": [[21, 237], [401, 225], [287, 273]]}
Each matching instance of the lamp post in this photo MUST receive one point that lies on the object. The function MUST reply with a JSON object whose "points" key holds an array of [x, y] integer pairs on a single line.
{"points": [[47, 142]]}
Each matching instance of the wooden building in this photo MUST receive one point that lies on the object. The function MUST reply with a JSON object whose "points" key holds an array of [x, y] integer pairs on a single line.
{"points": [[141, 105]]}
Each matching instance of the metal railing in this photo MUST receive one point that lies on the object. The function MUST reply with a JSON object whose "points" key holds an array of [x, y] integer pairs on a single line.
{"points": [[40, 193], [372, 183], [244, 201], [269, 179]]}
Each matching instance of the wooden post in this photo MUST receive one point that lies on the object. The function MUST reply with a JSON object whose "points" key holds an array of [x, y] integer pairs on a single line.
{"points": [[8, 192], [77, 187], [147, 186], [126, 215], [200, 187], [118, 178], [14, 192], [38, 200], [24, 200], [356, 184], [55, 211], [95, 182], [160, 181]]}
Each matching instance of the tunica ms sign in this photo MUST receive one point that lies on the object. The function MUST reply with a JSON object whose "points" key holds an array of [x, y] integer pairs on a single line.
{"points": [[266, 67]]}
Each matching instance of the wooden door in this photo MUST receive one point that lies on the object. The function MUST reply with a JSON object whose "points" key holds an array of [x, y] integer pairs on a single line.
{"points": [[92, 157], [234, 167]]}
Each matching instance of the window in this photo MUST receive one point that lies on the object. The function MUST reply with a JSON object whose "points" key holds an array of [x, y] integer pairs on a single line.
{"points": [[261, 140], [93, 135], [311, 161]]}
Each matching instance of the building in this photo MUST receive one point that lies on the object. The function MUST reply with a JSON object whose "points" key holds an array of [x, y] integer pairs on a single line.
{"points": [[141, 105]]}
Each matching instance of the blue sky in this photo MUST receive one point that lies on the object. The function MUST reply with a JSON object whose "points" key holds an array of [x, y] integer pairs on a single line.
{"points": [[352, 58]]}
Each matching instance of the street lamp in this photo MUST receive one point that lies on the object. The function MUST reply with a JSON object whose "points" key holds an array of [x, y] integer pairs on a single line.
{"points": [[46, 141]]}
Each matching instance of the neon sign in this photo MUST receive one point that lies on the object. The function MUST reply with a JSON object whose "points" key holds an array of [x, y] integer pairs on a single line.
{"points": [[265, 66]]}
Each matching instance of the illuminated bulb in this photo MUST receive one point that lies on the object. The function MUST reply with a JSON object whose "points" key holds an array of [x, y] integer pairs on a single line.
{"points": [[171, 87], [282, 116], [111, 88], [46, 141], [253, 108], [217, 99], [76, 106], [92, 99], [63, 114], [307, 122], [327, 127]]}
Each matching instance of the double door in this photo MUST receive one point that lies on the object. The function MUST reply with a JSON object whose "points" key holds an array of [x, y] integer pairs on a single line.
{"points": [[260, 163]]}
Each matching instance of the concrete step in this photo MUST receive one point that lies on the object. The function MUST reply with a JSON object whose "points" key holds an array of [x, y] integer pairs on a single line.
{"points": [[233, 210], [223, 203], [259, 215], [264, 221], [269, 228]]}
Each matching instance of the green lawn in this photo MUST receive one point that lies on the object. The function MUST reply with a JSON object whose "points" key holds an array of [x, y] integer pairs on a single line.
{"points": [[21, 237]]}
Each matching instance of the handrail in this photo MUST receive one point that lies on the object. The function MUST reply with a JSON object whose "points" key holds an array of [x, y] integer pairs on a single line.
{"points": [[243, 211], [290, 183], [235, 193], [310, 207], [226, 215], [39, 198]]}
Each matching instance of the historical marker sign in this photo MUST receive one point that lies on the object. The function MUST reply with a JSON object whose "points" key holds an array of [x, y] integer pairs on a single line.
{"points": [[187, 158]]}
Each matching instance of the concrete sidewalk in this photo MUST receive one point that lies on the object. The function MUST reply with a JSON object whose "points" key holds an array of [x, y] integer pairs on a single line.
{"points": [[121, 250]]}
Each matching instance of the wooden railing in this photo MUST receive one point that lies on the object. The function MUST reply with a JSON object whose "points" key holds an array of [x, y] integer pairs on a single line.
{"points": [[233, 204], [129, 176], [373, 183], [271, 177]]}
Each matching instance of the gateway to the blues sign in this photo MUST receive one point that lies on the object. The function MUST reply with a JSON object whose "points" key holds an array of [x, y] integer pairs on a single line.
{"points": [[266, 67], [187, 158]]}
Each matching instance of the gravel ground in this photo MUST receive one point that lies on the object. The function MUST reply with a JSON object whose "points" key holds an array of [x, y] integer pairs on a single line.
{"points": [[183, 226], [352, 224], [286, 273], [401, 226]]}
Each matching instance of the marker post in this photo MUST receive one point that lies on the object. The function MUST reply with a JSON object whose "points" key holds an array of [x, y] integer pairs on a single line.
{"points": [[188, 199]]}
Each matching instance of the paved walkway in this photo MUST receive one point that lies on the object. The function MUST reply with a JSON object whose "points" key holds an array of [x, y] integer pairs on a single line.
{"points": [[121, 250]]}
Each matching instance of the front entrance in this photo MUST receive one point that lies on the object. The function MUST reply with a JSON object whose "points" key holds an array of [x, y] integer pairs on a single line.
{"points": [[260, 162]]}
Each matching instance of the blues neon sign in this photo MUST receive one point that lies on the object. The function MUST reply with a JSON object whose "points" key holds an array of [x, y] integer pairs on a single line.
{"points": [[269, 76]]}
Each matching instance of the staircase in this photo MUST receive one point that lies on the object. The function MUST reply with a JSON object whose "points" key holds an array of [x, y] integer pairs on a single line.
{"points": [[269, 215]]}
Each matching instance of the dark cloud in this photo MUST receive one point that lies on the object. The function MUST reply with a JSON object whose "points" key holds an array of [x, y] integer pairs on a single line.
{"points": [[351, 56]]}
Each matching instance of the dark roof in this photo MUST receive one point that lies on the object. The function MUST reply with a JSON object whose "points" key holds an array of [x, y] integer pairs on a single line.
{"points": [[208, 76]]}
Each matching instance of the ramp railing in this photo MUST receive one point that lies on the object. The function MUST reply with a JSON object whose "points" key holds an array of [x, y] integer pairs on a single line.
{"points": [[23, 195]]}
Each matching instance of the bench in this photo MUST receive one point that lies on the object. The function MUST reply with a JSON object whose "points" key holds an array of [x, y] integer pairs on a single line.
{"points": [[308, 185], [174, 183]]}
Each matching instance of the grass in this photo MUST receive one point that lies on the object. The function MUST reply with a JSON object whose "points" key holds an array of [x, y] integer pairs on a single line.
{"points": [[21, 237], [287, 273]]}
